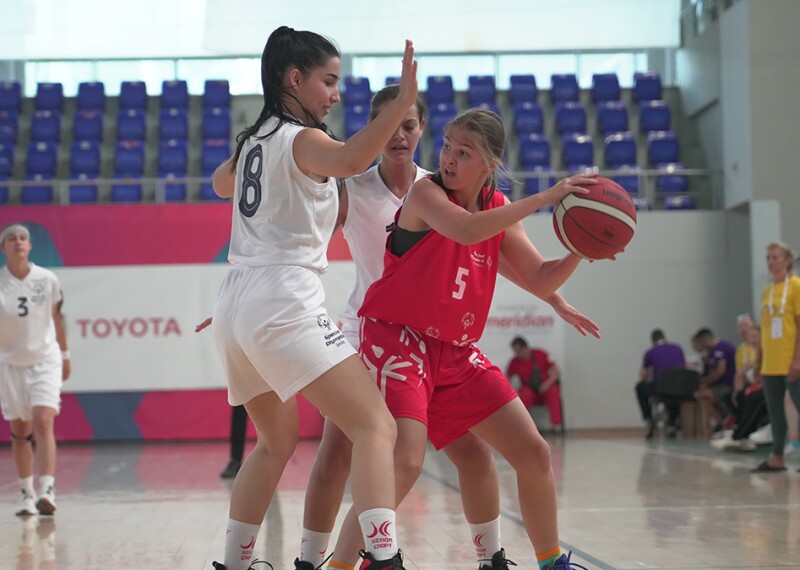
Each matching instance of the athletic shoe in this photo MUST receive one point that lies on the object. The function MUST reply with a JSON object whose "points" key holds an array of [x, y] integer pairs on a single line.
{"points": [[721, 443], [218, 566], [498, 562], [46, 505], [651, 430], [762, 436], [306, 565], [26, 506], [563, 563], [792, 449], [231, 469], [724, 434], [672, 432], [393, 563]]}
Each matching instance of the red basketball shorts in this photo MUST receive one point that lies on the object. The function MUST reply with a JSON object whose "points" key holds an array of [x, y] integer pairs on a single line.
{"points": [[448, 388]]}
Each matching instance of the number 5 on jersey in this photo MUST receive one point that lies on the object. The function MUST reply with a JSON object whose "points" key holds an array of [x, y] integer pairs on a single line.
{"points": [[461, 282]]}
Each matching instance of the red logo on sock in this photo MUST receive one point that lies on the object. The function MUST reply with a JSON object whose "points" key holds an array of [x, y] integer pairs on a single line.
{"points": [[249, 546], [477, 540]]}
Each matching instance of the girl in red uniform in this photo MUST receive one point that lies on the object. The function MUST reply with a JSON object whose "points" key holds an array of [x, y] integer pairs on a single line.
{"points": [[420, 320]]}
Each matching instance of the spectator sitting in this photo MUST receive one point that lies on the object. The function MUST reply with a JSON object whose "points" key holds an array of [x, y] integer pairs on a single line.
{"points": [[748, 400], [539, 378], [719, 368], [661, 356]]}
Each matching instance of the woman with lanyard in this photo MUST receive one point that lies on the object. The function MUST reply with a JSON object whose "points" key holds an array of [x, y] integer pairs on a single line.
{"points": [[780, 365]]}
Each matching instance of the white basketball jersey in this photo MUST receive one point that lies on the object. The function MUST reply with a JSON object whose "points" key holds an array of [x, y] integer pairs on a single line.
{"points": [[371, 207], [280, 215], [27, 332]]}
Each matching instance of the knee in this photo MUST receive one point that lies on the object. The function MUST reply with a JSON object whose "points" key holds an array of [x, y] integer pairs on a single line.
{"points": [[535, 460], [380, 427], [471, 457], [407, 468], [23, 438], [333, 458]]}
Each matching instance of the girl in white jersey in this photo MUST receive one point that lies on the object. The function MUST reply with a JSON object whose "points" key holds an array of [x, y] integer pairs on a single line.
{"points": [[272, 330], [33, 363], [368, 204]]}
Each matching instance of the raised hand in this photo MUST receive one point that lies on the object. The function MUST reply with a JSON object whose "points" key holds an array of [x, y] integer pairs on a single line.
{"points": [[408, 77]]}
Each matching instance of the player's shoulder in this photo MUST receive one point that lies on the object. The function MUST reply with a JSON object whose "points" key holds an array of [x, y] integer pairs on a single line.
{"points": [[363, 179], [39, 272]]}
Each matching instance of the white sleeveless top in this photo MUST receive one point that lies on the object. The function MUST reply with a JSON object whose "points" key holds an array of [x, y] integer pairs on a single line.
{"points": [[27, 331], [371, 207], [280, 215]]}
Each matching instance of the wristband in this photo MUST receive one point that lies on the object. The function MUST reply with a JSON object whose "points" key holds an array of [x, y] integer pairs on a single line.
{"points": [[65, 355]]}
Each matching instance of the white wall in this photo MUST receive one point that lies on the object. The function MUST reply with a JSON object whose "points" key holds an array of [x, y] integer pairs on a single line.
{"points": [[64, 29], [677, 274]]}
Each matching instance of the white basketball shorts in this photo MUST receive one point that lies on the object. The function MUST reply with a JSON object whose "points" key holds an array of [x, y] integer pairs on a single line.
{"points": [[24, 387], [273, 332]]}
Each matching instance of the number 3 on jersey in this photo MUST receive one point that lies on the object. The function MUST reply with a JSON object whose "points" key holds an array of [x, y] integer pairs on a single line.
{"points": [[461, 283], [251, 182]]}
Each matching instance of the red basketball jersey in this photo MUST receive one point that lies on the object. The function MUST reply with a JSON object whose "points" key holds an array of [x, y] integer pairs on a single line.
{"points": [[438, 287]]}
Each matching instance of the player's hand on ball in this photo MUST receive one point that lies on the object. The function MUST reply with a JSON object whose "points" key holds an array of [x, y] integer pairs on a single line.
{"points": [[572, 184]]}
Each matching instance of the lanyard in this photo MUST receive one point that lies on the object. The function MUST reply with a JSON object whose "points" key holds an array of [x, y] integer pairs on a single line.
{"points": [[783, 297]]}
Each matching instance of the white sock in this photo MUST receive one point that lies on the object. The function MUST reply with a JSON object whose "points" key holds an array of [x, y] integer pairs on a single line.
{"points": [[239, 543], [26, 483], [314, 546], [378, 528], [46, 481], [486, 539]]}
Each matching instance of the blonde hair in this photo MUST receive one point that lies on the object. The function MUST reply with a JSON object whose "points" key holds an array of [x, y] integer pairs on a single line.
{"points": [[487, 128], [787, 251]]}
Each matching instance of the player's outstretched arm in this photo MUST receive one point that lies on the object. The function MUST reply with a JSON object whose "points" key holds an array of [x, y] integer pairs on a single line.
{"points": [[224, 179]]}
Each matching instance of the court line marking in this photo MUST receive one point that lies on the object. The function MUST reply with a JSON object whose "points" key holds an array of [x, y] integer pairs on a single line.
{"points": [[514, 518]]}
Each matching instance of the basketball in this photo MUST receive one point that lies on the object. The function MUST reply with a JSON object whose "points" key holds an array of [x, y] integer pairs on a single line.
{"points": [[597, 225]]}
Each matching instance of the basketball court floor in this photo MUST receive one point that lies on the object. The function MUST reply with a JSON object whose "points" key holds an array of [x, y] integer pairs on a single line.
{"points": [[623, 504]]}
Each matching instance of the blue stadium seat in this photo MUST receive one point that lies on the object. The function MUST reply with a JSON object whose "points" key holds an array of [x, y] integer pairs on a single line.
{"points": [[612, 117], [356, 118], [80, 191], [88, 126], [33, 193], [534, 150], [480, 89], [49, 97], [356, 91], [6, 159], [440, 89], [641, 203], [670, 182], [174, 94], [662, 147], [213, 153], [627, 176], [9, 127], [42, 158], [523, 89], [216, 93], [620, 149], [216, 123], [577, 150], [10, 96], [440, 114], [173, 123], [85, 158], [654, 116], [173, 157], [128, 191], [493, 107], [392, 80], [129, 158], [605, 87], [173, 191], [46, 126], [564, 87], [528, 118], [91, 96], [646, 86], [539, 182], [131, 124], [679, 203], [570, 118], [133, 95]]}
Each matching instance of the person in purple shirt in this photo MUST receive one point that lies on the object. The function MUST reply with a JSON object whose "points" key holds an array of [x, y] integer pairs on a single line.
{"points": [[719, 368], [659, 357]]}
